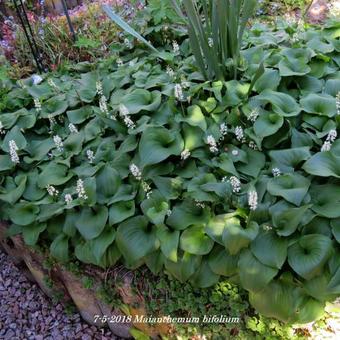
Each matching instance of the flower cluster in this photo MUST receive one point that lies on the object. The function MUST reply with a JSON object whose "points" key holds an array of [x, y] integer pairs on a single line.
{"points": [[254, 115], [210, 42], [147, 189], [235, 184], [199, 204], [175, 46], [72, 128], [68, 198], [179, 92], [239, 133], [102, 100], [81, 190], [170, 72], [90, 156], [52, 191], [124, 113], [52, 84], [13, 148], [331, 137], [135, 171], [119, 62], [212, 144], [37, 104], [2, 130], [223, 129], [276, 172], [252, 200], [185, 154], [58, 143]]}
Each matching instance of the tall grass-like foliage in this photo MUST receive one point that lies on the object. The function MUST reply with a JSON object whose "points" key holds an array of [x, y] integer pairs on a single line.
{"points": [[215, 29]]}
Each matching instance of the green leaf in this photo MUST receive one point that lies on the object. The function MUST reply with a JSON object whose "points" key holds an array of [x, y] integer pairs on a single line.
{"points": [[222, 263], [320, 104], [120, 22], [79, 116], [295, 62], [100, 244], [204, 277], [326, 200], [15, 135], [336, 229], [270, 249], [292, 187], [92, 221], [269, 80], [107, 183], [194, 241], [59, 248], [308, 255], [185, 267], [157, 144], [323, 164], [14, 189], [235, 237], [169, 240], [195, 117], [288, 160], [54, 106], [23, 213], [135, 239], [120, 211], [31, 233], [254, 275], [142, 100], [267, 124], [53, 174], [186, 214]]}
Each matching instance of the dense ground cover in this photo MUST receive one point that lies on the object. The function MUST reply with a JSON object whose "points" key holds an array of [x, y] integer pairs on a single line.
{"points": [[138, 159]]}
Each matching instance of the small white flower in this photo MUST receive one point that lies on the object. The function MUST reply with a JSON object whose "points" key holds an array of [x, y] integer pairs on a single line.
{"points": [[235, 184], [212, 143], [36, 79], [276, 172], [52, 84], [252, 145], [223, 129], [2, 129], [326, 146], [225, 179], [81, 190], [90, 156], [169, 212], [68, 198], [13, 148], [210, 42], [37, 104], [239, 133], [58, 143], [175, 46], [331, 137], [147, 189], [52, 191], [124, 113], [184, 83], [135, 171], [128, 43], [119, 62], [185, 154], [267, 228], [338, 103], [123, 110], [52, 121], [234, 152], [72, 128], [254, 115], [170, 72], [103, 105], [99, 88], [199, 204], [129, 122], [252, 200], [179, 92]]}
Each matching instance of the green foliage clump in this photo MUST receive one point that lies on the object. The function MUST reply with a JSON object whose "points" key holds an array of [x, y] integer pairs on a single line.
{"points": [[142, 161]]}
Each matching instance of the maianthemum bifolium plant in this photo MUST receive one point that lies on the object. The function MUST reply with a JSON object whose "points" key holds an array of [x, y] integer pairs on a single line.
{"points": [[138, 159]]}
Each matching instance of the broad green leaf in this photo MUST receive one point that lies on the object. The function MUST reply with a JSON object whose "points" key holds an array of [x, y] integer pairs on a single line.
{"points": [[323, 164], [288, 160], [24, 213], [14, 135], [267, 124], [254, 275], [269, 80], [292, 187], [100, 244], [295, 62], [157, 144], [79, 116], [308, 255], [222, 263], [204, 277], [169, 240], [54, 106], [32, 232], [120, 211], [336, 228], [320, 104], [270, 249], [139, 100], [13, 189], [235, 237], [108, 182], [326, 200], [92, 221], [53, 174], [59, 248], [195, 241], [136, 239]]}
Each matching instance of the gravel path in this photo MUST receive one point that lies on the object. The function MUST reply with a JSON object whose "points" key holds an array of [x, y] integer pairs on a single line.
{"points": [[26, 313]]}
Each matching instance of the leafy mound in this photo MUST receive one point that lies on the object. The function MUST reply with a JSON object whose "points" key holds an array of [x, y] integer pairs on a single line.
{"points": [[129, 162]]}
